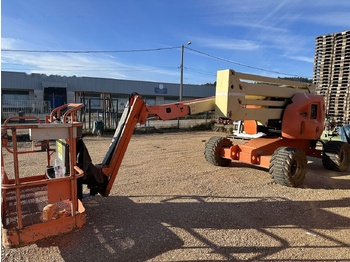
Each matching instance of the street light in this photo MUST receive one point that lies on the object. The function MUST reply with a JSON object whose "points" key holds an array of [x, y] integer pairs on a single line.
{"points": [[182, 69]]}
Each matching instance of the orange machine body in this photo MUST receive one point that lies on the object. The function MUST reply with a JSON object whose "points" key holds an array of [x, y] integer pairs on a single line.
{"points": [[304, 117], [302, 123], [36, 206]]}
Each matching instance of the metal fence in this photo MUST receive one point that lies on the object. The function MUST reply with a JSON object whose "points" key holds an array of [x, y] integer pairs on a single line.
{"points": [[107, 114], [25, 107]]}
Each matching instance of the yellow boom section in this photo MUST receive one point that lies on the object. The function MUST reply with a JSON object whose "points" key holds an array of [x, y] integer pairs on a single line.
{"points": [[242, 96]]}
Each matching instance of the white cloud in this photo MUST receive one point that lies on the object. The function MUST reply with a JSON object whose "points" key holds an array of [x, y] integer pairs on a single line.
{"points": [[302, 58], [330, 18], [278, 15], [225, 43], [93, 65], [10, 43], [268, 24]]}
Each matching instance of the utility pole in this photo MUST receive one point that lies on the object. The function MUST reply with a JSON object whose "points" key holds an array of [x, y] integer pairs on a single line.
{"points": [[181, 77], [182, 70]]}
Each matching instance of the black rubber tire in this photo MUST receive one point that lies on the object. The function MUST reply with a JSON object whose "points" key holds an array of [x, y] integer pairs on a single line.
{"points": [[288, 166], [212, 150], [336, 156]]}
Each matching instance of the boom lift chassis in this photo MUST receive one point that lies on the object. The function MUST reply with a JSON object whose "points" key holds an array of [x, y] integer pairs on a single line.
{"points": [[290, 115]]}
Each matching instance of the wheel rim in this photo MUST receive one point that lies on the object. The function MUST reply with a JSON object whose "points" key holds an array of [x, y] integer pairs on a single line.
{"points": [[294, 169], [341, 156]]}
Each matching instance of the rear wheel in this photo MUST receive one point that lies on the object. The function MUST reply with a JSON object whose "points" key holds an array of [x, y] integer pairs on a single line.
{"points": [[336, 156], [212, 150], [288, 166]]}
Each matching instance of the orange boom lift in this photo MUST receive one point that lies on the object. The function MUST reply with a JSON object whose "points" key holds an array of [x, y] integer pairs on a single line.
{"points": [[289, 114]]}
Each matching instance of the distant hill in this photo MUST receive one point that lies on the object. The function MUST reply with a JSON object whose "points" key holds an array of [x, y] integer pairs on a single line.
{"points": [[300, 79]]}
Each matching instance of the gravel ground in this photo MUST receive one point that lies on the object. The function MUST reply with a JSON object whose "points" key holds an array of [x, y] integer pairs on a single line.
{"points": [[169, 204]]}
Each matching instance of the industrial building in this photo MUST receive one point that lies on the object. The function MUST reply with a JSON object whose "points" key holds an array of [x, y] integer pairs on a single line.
{"points": [[37, 94], [331, 74]]}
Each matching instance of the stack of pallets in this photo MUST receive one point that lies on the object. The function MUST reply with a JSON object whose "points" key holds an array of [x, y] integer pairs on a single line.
{"points": [[331, 74]]}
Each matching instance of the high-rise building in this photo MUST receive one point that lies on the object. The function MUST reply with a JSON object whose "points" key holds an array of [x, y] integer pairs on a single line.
{"points": [[331, 74]]}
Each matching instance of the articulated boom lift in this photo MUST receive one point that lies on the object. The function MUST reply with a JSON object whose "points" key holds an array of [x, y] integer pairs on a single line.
{"points": [[289, 114]]}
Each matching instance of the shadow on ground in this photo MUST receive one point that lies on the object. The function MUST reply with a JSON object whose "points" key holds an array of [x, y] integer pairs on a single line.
{"points": [[119, 229], [317, 177]]}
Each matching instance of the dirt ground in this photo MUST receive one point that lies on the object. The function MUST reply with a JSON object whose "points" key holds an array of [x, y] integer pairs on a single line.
{"points": [[169, 204]]}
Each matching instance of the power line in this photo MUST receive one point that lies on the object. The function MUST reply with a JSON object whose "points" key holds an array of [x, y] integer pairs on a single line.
{"points": [[199, 71], [89, 51], [82, 69], [148, 50], [240, 64]]}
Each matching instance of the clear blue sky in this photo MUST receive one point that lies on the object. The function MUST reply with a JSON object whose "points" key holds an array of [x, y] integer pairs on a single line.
{"points": [[273, 35]]}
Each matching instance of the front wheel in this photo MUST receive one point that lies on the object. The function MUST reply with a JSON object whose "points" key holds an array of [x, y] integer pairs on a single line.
{"points": [[213, 148], [288, 166], [336, 156]]}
